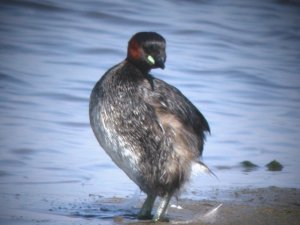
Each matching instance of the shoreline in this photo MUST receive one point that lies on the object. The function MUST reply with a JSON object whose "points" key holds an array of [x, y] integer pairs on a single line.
{"points": [[260, 206], [245, 206]]}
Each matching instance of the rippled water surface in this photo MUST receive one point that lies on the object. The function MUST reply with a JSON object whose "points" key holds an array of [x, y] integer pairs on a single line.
{"points": [[238, 62]]}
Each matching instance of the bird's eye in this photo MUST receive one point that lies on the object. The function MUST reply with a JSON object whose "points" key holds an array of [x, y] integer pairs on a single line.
{"points": [[151, 47]]}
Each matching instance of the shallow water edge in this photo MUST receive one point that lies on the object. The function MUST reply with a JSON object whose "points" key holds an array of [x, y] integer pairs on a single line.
{"points": [[270, 205]]}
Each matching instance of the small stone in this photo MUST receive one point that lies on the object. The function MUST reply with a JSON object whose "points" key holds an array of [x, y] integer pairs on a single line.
{"points": [[274, 166], [248, 165]]}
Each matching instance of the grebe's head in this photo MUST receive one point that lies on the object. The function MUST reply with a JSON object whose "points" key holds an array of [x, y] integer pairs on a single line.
{"points": [[147, 50]]}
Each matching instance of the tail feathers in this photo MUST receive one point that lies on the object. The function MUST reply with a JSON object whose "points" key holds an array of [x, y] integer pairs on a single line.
{"points": [[199, 167]]}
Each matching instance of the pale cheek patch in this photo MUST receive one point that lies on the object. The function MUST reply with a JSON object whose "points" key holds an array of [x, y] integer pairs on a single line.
{"points": [[151, 60]]}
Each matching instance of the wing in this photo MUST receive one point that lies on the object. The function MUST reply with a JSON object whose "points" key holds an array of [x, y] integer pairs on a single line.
{"points": [[174, 111]]}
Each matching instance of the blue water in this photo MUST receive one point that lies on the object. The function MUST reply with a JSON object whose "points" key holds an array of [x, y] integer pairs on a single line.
{"points": [[237, 61]]}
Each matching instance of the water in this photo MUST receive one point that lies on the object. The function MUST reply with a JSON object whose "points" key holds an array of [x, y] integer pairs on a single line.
{"points": [[238, 62]]}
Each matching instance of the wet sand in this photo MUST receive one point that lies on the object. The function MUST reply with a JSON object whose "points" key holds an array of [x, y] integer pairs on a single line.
{"points": [[243, 206], [271, 205], [247, 206]]}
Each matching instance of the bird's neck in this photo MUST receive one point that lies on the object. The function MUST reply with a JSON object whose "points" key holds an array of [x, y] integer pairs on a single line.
{"points": [[140, 65]]}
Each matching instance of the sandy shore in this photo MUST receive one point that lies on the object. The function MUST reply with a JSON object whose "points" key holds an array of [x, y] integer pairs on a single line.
{"points": [[236, 206], [243, 206]]}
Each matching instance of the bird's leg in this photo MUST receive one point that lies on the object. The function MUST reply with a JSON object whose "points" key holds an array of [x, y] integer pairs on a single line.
{"points": [[161, 210], [145, 212]]}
